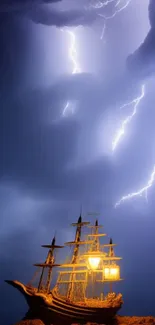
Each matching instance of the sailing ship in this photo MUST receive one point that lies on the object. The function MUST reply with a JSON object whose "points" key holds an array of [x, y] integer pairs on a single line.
{"points": [[83, 290]]}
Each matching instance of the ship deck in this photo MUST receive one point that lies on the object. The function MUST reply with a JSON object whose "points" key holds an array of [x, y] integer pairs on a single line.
{"points": [[55, 308]]}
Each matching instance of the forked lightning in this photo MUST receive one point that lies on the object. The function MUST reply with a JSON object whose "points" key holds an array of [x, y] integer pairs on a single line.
{"points": [[142, 191], [75, 64], [119, 5], [134, 103]]}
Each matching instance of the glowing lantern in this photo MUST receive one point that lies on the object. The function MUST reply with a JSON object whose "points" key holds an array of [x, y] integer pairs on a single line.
{"points": [[111, 272], [94, 262]]}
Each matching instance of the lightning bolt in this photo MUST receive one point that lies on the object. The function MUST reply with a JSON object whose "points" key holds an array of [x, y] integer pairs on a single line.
{"points": [[119, 5], [142, 191], [73, 53], [135, 103], [76, 68]]}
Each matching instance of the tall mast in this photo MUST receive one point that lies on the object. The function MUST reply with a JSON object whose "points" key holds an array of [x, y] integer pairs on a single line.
{"points": [[95, 247], [50, 260], [96, 241], [77, 240], [111, 254], [49, 263], [95, 237], [79, 226], [75, 253], [111, 250]]}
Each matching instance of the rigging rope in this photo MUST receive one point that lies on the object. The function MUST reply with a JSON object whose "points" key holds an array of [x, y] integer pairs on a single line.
{"points": [[34, 277]]}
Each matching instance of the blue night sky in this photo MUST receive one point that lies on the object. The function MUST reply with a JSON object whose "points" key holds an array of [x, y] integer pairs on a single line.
{"points": [[57, 129]]}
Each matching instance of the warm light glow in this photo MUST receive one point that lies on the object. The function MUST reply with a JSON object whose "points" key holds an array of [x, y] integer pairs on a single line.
{"points": [[111, 273], [94, 262]]}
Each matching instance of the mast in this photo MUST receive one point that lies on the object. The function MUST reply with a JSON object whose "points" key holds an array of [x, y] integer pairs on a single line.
{"points": [[96, 240], [49, 263], [95, 235], [74, 262], [111, 254], [111, 250], [77, 242], [75, 254], [95, 247]]}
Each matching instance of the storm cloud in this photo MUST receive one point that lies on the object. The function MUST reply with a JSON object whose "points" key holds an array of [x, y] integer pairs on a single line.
{"points": [[39, 13], [142, 62], [17, 5], [45, 16]]}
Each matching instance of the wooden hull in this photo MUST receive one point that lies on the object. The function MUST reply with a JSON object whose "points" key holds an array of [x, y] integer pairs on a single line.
{"points": [[55, 310]]}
